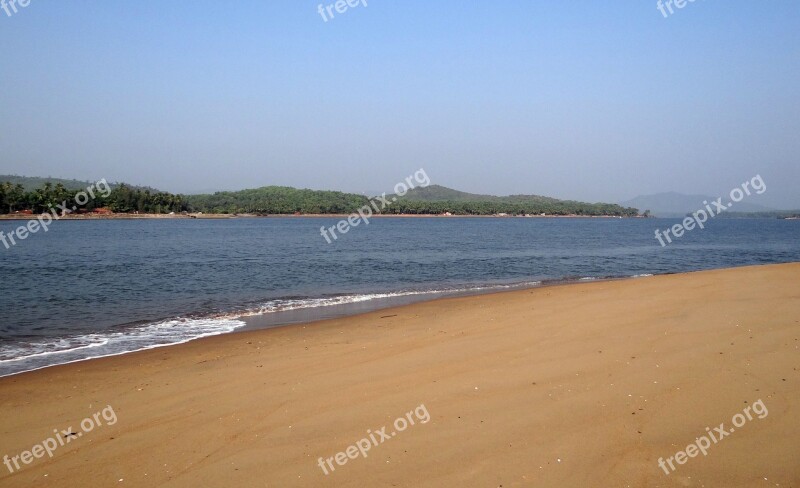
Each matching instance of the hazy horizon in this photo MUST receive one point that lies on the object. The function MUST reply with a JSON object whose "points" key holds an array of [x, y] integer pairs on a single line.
{"points": [[579, 101]]}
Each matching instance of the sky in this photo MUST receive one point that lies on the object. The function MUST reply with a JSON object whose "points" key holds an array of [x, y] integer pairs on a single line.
{"points": [[586, 100]]}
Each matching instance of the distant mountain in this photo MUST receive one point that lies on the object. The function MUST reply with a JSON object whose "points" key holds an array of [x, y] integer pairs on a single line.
{"points": [[673, 204]]}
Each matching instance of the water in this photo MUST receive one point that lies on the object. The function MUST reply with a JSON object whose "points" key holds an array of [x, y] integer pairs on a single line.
{"points": [[94, 288]]}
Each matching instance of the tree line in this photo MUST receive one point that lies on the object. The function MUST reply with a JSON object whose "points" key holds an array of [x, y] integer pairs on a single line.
{"points": [[121, 199], [277, 200], [494, 208]]}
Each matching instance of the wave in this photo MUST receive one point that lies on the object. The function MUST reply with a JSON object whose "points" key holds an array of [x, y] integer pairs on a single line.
{"points": [[287, 304], [28, 355]]}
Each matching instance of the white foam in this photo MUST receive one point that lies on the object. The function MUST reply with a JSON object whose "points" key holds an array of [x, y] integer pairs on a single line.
{"points": [[31, 355], [21, 352], [295, 304]]}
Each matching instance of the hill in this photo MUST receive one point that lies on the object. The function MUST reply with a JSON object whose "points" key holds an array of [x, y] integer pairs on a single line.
{"points": [[118, 198], [438, 193], [31, 183], [282, 200], [436, 199], [277, 200]]}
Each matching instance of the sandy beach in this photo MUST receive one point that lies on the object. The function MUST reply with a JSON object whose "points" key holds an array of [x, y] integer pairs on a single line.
{"points": [[564, 386]]}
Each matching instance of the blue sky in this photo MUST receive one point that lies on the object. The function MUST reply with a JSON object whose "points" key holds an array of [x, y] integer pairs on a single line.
{"points": [[598, 101]]}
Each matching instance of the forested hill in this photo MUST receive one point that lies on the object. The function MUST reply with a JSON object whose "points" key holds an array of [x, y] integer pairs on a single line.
{"points": [[420, 201], [31, 183], [277, 200], [437, 199], [118, 198], [438, 193], [15, 196]]}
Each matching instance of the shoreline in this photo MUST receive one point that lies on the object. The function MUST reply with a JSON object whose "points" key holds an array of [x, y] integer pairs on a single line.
{"points": [[549, 386], [258, 321], [121, 216], [255, 322]]}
